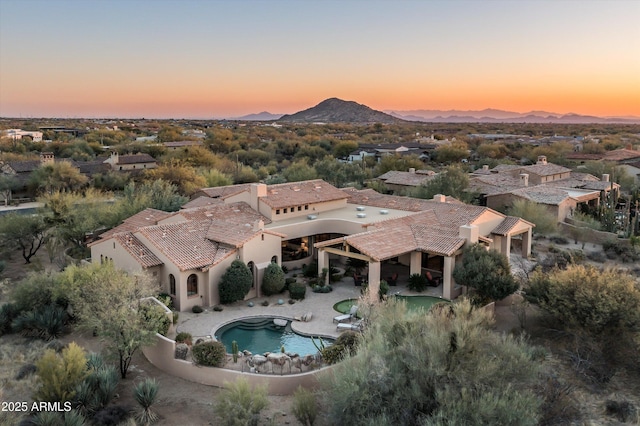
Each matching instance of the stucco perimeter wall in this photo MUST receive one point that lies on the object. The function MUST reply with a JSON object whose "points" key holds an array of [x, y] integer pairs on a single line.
{"points": [[161, 355]]}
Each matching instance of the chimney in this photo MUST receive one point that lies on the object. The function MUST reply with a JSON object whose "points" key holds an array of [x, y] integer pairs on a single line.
{"points": [[257, 190], [469, 233], [412, 170], [524, 179], [542, 160], [440, 198], [47, 158], [258, 225], [605, 177]]}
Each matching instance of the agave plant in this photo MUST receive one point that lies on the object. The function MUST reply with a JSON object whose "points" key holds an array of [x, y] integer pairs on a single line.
{"points": [[145, 393]]}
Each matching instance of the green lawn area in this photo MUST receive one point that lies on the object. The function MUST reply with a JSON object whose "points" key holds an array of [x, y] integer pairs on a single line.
{"points": [[413, 303]]}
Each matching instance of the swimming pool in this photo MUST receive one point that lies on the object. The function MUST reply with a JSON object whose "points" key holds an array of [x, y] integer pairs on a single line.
{"points": [[259, 335], [413, 303]]}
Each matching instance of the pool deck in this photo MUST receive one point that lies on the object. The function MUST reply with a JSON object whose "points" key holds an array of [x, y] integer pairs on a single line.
{"points": [[319, 304]]}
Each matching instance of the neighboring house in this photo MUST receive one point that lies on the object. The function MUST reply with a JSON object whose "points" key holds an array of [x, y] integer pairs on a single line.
{"points": [[17, 134], [556, 187], [619, 156], [131, 162], [379, 150], [294, 223], [632, 169], [181, 144], [400, 182]]}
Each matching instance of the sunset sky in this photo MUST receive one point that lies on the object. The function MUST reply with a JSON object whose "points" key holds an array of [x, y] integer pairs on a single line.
{"points": [[214, 59]]}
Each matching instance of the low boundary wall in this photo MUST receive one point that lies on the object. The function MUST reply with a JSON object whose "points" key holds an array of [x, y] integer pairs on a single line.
{"points": [[162, 355], [570, 227]]}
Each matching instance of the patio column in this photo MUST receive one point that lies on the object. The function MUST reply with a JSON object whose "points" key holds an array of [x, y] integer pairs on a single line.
{"points": [[323, 262], [526, 244], [505, 245], [374, 281], [447, 277], [415, 265]]}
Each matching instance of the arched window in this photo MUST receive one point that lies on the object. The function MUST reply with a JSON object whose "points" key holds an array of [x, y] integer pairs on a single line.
{"points": [[172, 285], [274, 259], [192, 285]]}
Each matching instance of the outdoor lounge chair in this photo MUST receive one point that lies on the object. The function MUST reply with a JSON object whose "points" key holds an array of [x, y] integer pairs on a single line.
{"points": [[393, 279], [356, 326], [347, 317]]}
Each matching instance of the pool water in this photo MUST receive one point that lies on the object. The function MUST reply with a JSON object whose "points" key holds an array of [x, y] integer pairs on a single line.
{"points": [[259, 335]]}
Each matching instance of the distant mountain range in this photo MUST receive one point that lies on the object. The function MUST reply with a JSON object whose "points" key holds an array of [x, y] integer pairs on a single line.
{"points": [[335, 110]]}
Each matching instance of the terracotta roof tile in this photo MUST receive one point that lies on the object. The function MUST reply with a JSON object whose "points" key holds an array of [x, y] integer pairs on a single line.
{"points": [[144, 218], [546, 169], [300, 193], [185, 243], [223, 191], [135, 159], [506, 225], [139, 251], [201, 201], [407, 178], [621, 154]]}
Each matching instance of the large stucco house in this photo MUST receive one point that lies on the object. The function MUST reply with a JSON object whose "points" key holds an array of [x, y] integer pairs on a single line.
{"points": [[295, 223]]}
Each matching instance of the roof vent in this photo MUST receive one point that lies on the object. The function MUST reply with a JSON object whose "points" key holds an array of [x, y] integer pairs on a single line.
{"points": [[360, 208], [312, 217], [384, 211], [361, 215]]}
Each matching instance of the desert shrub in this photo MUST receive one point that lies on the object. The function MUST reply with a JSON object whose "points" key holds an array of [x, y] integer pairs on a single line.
{"points": [[8, 313], [273, 281], [334, 353], [265, 303], [197, 309], [184, 337], [145, 394], [305, 406], [588, 298], [175, 316], [310, 270], [425, 363], [46, 323], [34, 292], [558, 239], [25, 371], [56, 345], [349, 340], [235, 283], [112, 415], [98, 389], [487, 272], [322, 289], [240, 405], [624, 411], [621, 250], [557, 259], [54, 418], [297, 291], [417, 282], [59, 375], [218, 308], [166, 299], [558, 406], [289, 280], [212, 354], [382, 290], [535, 213], [157, 317]]}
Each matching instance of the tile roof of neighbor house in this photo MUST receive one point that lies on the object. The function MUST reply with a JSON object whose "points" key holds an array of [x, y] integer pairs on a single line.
{"points": [[141, 253], [545, 169], [621, 154], [93, 167], [583, 156], [135, 159], [146, 217], [299, 193], [31, 165], [179, 144], [507, 225], [417, 178], [542, 194], [494, 183]]}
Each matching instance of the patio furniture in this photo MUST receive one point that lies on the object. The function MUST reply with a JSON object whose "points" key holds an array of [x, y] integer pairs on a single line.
{"points": [[356, 326], [358, 279], [347, 317], [433, 282]]}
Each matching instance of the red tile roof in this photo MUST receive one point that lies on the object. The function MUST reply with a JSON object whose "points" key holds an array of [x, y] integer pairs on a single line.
{"points": [[141, 253], [144, 218], [301, 193]]}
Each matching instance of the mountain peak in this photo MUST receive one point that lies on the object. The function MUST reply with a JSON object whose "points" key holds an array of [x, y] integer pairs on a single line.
{"points": [[334, 110]]}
